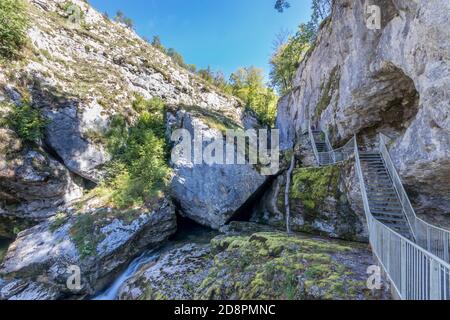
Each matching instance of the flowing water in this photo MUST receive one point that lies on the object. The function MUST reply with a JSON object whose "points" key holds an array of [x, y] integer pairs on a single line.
{"points": [[112, 292], [190, 233]]}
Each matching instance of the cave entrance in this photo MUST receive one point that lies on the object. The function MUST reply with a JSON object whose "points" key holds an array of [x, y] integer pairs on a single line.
{"points": [[393, 101], [245, 212], [190, 231]]}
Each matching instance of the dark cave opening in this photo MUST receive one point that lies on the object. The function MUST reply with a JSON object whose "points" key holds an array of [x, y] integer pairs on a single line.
{"points": [[245, 212], [190, 230]]}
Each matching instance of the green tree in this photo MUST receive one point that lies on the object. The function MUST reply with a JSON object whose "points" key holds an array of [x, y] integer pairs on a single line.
{"points": [[287, 58], [321, 9], [121, 18], [176, 57], [27, 122], [281, 5], [13, 27], [139, 170], [156, 43], [248, 85], [206, 74]]}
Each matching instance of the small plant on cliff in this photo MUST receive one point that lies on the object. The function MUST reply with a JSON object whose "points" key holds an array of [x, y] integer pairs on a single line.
{"points": [[121, 18], [26, 121], [287, 57], [13, 27]]}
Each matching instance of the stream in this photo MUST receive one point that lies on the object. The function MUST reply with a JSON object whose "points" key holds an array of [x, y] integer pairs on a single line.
{"points": [[190, 232]]}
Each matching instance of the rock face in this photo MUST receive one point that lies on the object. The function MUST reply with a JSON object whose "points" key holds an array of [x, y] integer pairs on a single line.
{"points": [[358, 80], [32, 184], [260, 266], [81, 74], [324, 200], [99, 242], [211, 193]]}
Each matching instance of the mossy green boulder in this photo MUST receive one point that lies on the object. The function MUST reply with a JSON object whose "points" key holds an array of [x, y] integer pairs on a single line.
{"points": [[264, 265]]}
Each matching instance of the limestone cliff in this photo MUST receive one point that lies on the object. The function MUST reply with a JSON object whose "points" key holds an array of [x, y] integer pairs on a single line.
{"points": [[394, 80]]}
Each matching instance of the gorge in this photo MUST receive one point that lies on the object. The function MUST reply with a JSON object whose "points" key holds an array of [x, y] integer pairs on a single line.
{"points": [[107, 103]]}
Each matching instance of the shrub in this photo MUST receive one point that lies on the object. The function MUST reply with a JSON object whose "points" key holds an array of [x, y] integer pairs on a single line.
{"points": [[27, 122], [139, 169], [13, 27]]}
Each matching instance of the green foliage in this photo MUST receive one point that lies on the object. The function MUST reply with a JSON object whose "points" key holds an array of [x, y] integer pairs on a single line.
{"points": [[321, 9], [121, 18], [156, 43], [139, 170], [13, 27], [84, 235], [26, 121], [281, 5], [289, 53], [286, 60], [248, 85]]}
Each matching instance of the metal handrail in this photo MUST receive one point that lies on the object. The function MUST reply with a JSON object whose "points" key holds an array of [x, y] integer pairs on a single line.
{"points": [[414, 272], [428, 236], [313, 142], [330, 147], [337, 155]]}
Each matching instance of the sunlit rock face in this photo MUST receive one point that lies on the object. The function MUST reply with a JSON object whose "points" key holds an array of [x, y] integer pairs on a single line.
{"points": [[210, 194], [394, 80], [80, 76]]}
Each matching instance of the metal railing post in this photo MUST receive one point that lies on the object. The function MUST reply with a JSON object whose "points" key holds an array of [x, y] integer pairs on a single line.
{"points": [[434, 280], [403, 270]]}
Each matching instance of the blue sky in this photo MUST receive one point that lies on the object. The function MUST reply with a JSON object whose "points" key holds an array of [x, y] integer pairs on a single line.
{"points": [[225, 34]]}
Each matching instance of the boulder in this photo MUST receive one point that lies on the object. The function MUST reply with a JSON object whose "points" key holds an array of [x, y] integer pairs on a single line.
{"points": [[32, 184], [99, 242], [210, 194]]}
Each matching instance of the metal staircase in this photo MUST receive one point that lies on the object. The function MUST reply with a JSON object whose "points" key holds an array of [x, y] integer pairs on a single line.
{"points": [[384, 202], [414, 254]]}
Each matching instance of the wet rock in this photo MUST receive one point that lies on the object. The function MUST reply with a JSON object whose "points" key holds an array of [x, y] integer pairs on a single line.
{"points": [[98, 242], [265, 265]]}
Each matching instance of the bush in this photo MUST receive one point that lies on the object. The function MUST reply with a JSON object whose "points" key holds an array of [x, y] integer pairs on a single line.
{"points": [[27, 122], [13, 27], [139, 169]]}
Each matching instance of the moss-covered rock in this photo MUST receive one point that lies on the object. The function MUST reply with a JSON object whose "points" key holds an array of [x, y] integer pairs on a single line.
{"points": [[264, 265], [319, 203], [276, 266]]}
